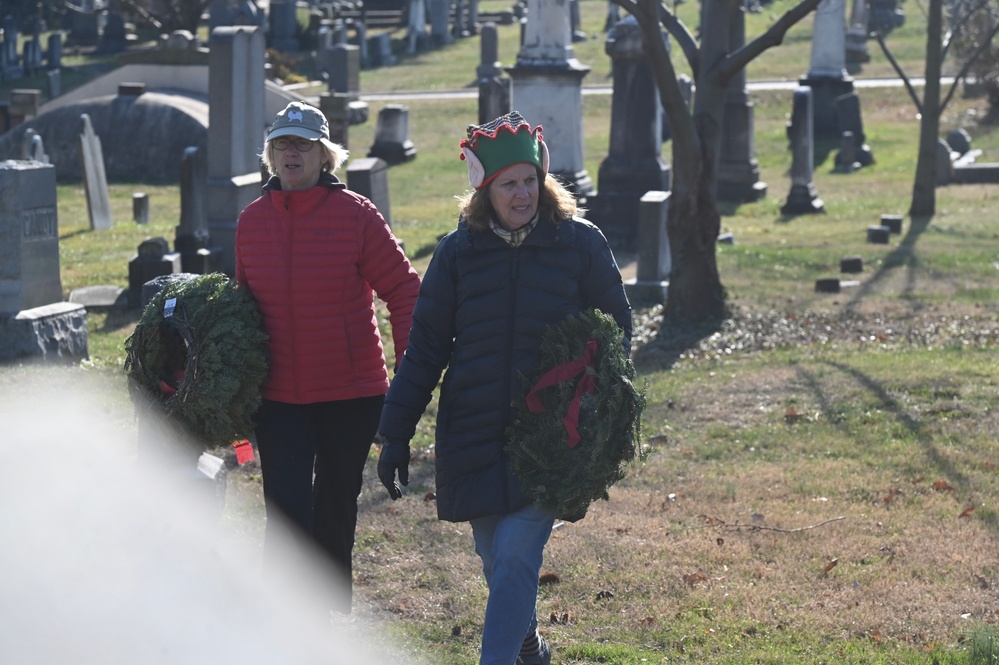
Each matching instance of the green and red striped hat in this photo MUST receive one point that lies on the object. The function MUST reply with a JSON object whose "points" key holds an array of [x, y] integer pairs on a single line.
{"points": [[501, 143]]}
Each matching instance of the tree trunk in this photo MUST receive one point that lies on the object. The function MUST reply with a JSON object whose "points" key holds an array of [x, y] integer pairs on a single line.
{"points": [[924, 188]]}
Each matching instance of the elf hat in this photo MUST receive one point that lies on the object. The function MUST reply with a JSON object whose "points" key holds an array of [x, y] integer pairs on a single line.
{"points": [[501, 143]]}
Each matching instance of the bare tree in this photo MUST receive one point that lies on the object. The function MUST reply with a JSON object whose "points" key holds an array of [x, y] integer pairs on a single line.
{"points": [[168, 15], [696, 295], [931, 107]]}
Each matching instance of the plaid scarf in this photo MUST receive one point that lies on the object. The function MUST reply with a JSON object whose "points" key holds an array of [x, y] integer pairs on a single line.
{"points": [[517, 237]]}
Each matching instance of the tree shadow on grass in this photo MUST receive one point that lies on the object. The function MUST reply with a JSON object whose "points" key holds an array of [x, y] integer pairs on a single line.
{"points": [[890, 405], [902, 256]]}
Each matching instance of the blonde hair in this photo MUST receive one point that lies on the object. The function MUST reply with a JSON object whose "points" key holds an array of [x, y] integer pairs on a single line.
{"points": [[555, 202], [334, 155]]}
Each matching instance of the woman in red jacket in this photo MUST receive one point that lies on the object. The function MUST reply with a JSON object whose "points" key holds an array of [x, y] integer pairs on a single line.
{"points": [[314, 254]]}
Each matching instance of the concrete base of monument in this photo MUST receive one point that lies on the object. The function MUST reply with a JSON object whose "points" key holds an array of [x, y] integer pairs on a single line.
{"points": [[56, 332]]}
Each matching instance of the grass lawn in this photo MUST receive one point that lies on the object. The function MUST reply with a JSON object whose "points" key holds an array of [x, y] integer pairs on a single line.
{"points": [[821, 481]]}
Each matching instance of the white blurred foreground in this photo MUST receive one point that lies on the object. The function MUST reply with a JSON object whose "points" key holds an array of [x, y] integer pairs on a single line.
{"points": [[104, 562]]}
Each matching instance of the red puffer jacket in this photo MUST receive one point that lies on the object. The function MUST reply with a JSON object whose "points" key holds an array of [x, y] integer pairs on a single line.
{"points": [[313, 260]]}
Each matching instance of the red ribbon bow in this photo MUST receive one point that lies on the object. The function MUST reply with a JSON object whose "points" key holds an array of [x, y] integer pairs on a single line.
{"points": [[564, 372]]}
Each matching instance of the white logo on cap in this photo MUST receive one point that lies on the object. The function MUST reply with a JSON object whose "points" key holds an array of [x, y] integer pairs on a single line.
{"points": [[295, 115]]}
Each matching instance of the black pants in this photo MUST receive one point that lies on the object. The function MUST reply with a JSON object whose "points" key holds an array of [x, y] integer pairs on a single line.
{"points": [[312, 458]]}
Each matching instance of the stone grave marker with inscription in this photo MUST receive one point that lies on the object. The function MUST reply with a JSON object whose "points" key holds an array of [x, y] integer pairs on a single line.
{"points": [[34, 320]]}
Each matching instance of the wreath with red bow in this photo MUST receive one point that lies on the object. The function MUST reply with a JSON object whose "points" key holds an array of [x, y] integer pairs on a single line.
{"points": [[578, 420]]}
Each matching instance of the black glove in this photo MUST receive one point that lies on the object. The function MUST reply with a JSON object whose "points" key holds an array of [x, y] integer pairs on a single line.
{"points": [[394, 457]]}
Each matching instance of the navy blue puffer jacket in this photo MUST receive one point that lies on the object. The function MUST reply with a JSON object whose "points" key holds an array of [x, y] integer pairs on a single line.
{"points": [[482, 310]]}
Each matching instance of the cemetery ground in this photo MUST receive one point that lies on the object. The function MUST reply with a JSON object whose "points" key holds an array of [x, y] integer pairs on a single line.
{"points": [[821, 481], [821, 478]]}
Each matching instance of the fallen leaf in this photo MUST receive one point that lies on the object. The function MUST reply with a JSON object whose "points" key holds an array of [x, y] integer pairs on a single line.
{"points": [[559, 617], [647, 620], [830, 566], [549, 578], [967, 511], [694, 578], [792, 416], [942, 486], [429, 496]]}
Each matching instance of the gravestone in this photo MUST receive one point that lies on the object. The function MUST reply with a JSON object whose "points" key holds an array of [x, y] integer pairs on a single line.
{"points": [[380, 49], [95, 182], [344, 68], [494, 88], [234, 12], [417, 37], [651, 280], [439, 12], [846, 159], [738, 178], [283, 26], [634, 164], [235, 131], [857, 52], [945, 163], [140, 208], [336, 107], [803, 197], [30, 230], [892, 222], [369, 178], [152, 259], [849, 119], [547, 89], [114, 37], [24, 105], [392, 142], [827, 75], [33, 148], [878, 235], [191, 238], [34, 320], [53, 52], [959, 141]]}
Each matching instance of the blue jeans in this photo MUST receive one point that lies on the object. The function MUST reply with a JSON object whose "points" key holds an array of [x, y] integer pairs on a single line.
{"points": [[512, 549]]}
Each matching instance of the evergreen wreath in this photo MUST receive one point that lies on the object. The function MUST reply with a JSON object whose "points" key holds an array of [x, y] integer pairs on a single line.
{"points": [[198, 355], [578, 421]]}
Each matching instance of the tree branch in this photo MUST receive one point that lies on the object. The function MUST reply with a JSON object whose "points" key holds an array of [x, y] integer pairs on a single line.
{"points": [[898, 70], [684, 38], [982, 45], [774, 36], [647, 13], [760, 527]]}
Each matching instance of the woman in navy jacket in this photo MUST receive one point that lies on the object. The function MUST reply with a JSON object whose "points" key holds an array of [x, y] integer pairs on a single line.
{"points": [[519, 261]]}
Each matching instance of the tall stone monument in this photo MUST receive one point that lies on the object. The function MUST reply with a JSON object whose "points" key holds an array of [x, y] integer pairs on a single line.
{"points": [[803, 197], [634, 165], [827, 75], [547, 89], [738, 170], [34, 319], [235, 131]]}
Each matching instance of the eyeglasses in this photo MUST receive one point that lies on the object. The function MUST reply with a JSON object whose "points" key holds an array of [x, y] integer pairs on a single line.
{"points": [[282, 143]]}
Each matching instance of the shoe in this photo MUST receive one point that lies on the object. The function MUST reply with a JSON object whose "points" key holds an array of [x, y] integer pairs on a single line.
{"points": [[543, 657]]}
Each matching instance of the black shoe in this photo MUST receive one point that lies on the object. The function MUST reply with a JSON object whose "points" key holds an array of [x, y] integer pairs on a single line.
{"points": [[542, 657]]}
